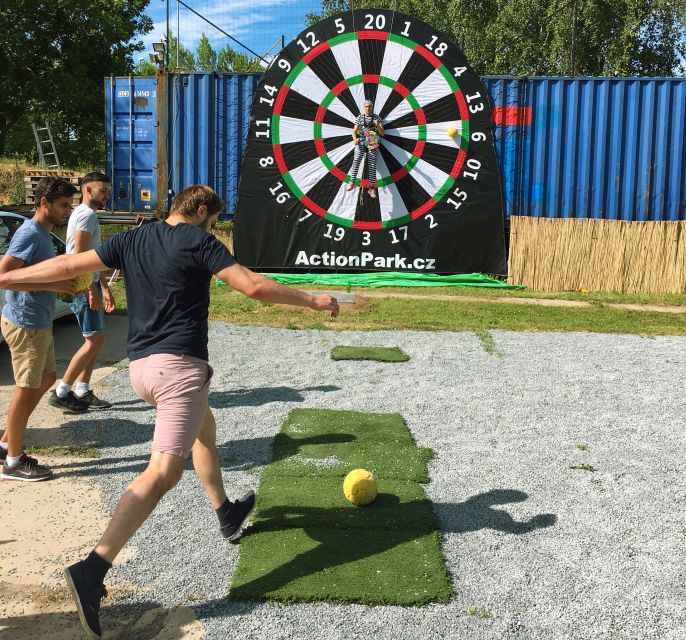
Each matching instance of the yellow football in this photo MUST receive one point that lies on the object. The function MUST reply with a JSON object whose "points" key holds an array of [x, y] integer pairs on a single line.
{"points": [[452, 132], [83, 282], [360, 487]]}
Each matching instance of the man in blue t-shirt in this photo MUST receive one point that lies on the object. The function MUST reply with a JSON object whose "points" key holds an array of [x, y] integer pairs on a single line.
{"points": [[168, 267], [27, 325]]}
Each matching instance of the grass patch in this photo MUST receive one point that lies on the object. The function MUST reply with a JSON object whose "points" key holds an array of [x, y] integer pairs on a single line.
{"points": [[309, 544], [65, 451], [488, 343], [582, 447], [380, 354], [583, 467], [479, 612], [425, 314]]}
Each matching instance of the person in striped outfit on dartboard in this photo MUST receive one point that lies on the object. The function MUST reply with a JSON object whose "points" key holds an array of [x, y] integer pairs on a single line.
{"points": [[365, 137]]}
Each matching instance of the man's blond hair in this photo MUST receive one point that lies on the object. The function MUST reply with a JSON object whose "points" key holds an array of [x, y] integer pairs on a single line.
{"points": [[188, 200]]}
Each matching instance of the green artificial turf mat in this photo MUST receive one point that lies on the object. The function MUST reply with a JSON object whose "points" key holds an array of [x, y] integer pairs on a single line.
{"points": [[400, 567], [384, 459], [399, 504], [381, 354], [342, 426], [308, 543]]}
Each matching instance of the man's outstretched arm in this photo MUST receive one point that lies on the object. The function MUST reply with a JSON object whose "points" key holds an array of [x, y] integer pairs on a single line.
{"points": [[63, 267], [259, 287]]}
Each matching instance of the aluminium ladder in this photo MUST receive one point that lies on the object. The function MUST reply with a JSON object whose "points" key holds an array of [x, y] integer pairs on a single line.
{"points": [[45, 146]]}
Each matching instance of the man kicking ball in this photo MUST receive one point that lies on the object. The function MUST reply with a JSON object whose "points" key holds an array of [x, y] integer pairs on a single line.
{"points": [[168, 267]]}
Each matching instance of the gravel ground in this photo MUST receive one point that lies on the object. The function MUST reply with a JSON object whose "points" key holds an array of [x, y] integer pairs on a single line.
{"points": [[536, 548]]}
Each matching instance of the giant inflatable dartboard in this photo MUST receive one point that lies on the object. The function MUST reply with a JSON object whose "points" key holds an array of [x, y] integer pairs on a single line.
{"points": [[439, 206]]}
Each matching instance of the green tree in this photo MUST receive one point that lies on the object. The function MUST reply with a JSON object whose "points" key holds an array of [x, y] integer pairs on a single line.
{"points": [[205, 55], [229, 59], [54, 55], [553, 37]]}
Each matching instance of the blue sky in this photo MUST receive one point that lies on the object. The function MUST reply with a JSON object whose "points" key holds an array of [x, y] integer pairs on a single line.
{"points": [[255, 23]]}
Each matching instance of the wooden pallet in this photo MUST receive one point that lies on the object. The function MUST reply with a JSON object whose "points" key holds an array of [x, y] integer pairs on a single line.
{"points": [[33, 177]]}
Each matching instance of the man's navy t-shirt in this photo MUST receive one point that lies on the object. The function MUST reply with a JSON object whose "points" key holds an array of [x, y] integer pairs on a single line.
{"points": [[167, 277]]}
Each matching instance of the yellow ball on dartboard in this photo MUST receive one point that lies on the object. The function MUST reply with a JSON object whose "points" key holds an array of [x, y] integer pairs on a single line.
{"points": [[452, 132], [360, 487]]}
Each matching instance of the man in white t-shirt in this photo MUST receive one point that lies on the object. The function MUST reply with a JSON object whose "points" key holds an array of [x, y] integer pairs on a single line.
{"points": [[73, 393]]}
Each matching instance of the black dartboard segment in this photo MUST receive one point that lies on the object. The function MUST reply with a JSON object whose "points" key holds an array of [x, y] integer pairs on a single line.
{"points": [[439, 205]]}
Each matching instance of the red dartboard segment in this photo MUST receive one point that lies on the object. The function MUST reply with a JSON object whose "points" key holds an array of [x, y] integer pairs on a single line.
{"points": [[370, 78], [341, 175], [462, 104], [372, 35], [420, 211], [308, 57], [319, 146], [369, 226], [280, 99], [399, 174], [459, 161], [430, 57], [313, 206], [401, 89], [278, 156], [319, 116], [421, 118]]}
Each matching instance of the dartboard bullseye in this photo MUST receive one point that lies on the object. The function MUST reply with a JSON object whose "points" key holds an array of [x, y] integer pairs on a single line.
{"points": [[426, 199]]}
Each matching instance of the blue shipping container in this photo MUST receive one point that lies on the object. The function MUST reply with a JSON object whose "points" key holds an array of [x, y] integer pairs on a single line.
{"points": [[131, 141], [610, 148]]}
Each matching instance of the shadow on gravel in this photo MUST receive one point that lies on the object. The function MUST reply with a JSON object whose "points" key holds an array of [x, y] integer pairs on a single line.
{"points": [[478, 513], [147, 620], [258, 396], [234, 455], [336, 542]]}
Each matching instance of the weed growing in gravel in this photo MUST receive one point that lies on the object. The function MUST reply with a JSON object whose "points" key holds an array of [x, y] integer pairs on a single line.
{"points": [[66, 451], [583, 467], [582, 447], [479, 612], [488, 343]]}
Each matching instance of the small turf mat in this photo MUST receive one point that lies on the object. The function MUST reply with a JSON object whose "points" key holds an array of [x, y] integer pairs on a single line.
{"points": [[380, 354], [309, 544]]}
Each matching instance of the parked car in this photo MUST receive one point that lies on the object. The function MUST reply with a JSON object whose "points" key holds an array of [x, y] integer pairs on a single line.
{"points": [[9, 223]]}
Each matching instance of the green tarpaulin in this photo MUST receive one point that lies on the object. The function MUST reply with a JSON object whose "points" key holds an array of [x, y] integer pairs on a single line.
{"points": [[391, 279]]}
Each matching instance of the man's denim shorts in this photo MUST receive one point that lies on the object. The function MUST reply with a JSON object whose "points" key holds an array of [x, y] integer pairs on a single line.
{"points": [[90, 322]]}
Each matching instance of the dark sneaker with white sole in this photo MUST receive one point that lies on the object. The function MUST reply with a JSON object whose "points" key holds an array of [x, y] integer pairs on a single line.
{"points": [[69, 402], [26, 470], [93, 401], [87, 594], [232, 515]]}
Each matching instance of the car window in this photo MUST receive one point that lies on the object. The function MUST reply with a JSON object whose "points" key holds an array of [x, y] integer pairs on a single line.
{"points": [[4, 237]]}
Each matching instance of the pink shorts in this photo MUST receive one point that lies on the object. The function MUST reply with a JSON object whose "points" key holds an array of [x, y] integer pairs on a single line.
{"points": [[178, 386]]}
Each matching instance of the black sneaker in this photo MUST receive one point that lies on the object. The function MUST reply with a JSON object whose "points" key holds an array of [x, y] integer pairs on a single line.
{"points": [[3, 454], [27, 470], [69, 403], [236, 514], [87, 594], [93, 401]]}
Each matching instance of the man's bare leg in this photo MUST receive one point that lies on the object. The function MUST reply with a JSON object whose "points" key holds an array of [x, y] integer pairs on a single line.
{"points": [[206, 461], [138, 502]]}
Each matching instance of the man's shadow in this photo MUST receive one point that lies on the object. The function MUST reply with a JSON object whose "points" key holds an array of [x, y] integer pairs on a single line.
{"points": [[257, 396], [338, 531]]}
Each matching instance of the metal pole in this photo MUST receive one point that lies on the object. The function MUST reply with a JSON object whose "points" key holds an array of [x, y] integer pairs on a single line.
{"points": [[130, 143], [572, 53], [112, 142], [178, 33], [166, 49]]}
